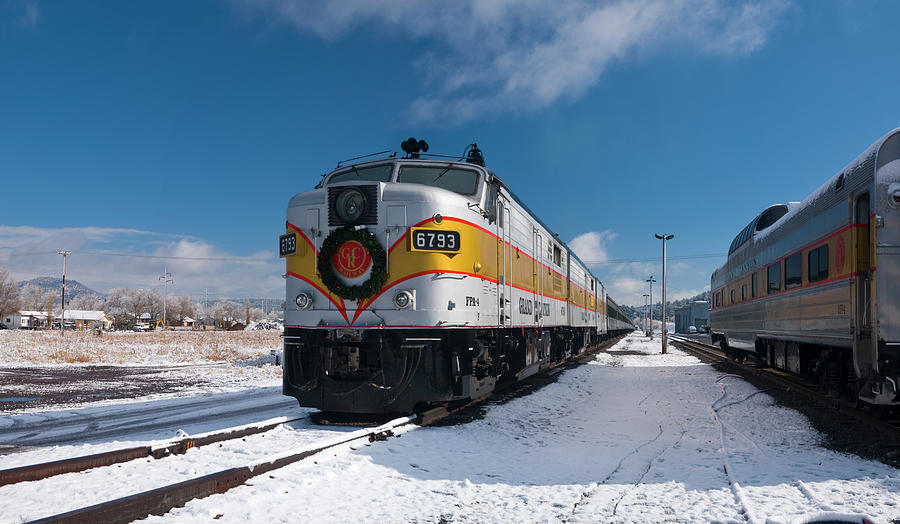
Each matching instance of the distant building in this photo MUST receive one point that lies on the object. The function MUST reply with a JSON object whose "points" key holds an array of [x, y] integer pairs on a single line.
{"points": [[25, 319], [82, 319], [694, 314], [12, 320]]}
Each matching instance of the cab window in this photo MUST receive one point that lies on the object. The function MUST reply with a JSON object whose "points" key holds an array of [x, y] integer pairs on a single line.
{"points": [[380, 173], [462, 181]]}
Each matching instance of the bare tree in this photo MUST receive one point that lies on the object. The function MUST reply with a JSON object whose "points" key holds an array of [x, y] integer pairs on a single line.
{"points": [[257, 314], [33, 297], [180, 307], [225, 312], [117, 306], [89, 302], [9, 294]]}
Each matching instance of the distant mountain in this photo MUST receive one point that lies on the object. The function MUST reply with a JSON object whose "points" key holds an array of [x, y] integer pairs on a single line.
{"points": [[74, 288]]}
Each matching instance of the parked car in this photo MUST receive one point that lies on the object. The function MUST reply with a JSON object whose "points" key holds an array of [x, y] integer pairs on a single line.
{"points": [[3, 326], [692, 329]]}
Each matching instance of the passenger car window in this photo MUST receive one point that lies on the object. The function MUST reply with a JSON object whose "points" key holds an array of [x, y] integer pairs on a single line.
{"points": [[380, 173], [793, 271], [818, 263], [753, 284], [460, 181], [774, 274]]}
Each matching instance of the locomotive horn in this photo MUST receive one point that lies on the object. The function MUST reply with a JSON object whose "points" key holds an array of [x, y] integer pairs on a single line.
{"points": [[412, 147]]}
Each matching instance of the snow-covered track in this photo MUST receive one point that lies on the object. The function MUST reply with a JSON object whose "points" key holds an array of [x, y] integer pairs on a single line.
{"points": [[879, 438], [139, 421], [154, 449], [160, 500]]}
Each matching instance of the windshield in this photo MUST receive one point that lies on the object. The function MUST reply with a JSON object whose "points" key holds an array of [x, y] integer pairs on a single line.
{"points": [[380, 173], [460, 181]]}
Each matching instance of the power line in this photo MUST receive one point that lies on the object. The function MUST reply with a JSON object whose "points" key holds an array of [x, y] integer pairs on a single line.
{"points": [[622, 260], [165, 257]]}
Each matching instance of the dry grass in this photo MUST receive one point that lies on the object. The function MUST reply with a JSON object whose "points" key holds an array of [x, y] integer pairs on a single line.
{"points": [[155, 348]]}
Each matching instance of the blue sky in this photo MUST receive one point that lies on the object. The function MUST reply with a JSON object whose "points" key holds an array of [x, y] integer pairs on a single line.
{"points": [[181, 129]]}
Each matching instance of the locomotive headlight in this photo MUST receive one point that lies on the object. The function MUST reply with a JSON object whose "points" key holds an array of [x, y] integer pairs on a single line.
{"points": [[304, 300], [350, 205], [403, 300], [894, 194]]}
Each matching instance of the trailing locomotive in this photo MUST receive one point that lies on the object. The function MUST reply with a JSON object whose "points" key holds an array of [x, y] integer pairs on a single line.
{"points": [[415, 281], [802, 291]]}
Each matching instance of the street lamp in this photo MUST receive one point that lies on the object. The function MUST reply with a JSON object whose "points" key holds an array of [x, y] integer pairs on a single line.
{"points": [[664, 237], [62, 323], [650, 282]]}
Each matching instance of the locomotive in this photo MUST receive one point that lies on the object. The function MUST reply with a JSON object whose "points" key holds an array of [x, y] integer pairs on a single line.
{"points": [[801, 289], [422, 280]]}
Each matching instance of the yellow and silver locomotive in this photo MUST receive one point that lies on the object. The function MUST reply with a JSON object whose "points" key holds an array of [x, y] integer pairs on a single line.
{"points": [[415, 281], [814, 287]]}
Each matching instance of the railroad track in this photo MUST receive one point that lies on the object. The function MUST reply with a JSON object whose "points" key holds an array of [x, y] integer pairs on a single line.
{"points": [[160, 500], [849, 427]]}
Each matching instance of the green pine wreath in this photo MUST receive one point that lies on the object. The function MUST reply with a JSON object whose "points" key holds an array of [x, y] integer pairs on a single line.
{"points": [[379, 264]]}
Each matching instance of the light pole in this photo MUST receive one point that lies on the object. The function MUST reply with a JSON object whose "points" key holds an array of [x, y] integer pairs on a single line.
{"points": [[650, 282], [166, 277], [62, 322], [664, 237], [646, 310]]}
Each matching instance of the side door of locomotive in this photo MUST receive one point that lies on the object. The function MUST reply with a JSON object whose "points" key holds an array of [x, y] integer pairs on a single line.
{"points": [[504, 262], [538, 277]]}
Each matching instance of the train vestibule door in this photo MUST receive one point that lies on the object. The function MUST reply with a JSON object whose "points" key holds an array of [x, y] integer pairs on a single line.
{"points": [[864, 351]]}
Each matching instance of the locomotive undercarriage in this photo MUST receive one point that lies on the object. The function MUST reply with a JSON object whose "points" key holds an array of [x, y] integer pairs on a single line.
{"points": [[398, 371]]}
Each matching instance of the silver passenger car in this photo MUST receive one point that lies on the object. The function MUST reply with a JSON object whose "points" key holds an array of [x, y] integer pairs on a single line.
{"points": [[814, 287]]}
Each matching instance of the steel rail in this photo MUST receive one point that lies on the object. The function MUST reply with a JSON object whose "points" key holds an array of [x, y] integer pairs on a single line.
{"points": [[156, 450]]}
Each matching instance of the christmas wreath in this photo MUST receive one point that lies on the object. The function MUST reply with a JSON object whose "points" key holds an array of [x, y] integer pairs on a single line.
{"points": [[326, 271]]}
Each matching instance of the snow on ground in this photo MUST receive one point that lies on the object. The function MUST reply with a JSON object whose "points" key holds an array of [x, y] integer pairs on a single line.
{"points": [[125, 348], [41, 370], [633, 437]]}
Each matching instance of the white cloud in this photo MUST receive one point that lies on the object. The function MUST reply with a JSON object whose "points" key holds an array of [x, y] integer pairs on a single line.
{"points": [[505, 55], [104, 258], [591, 247], [627, 282]]}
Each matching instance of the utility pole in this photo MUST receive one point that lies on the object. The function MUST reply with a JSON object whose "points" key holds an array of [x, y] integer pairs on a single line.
{"points": [[650, 281], [166, 277], [646, 310], [664, 237], [62, 323]]}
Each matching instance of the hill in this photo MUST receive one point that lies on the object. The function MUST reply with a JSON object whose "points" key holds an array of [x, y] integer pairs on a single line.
{"points": [[74, 288]]}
